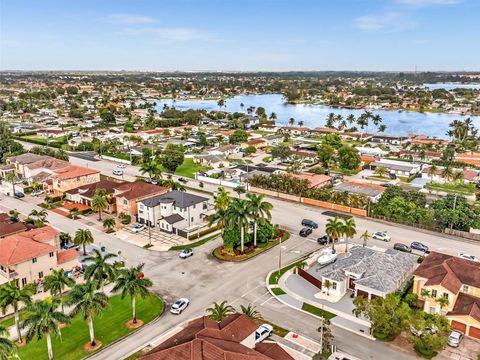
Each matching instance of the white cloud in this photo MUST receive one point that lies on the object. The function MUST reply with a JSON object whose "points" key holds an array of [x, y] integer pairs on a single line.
{"points": [[389, 22], [173, 34], [422, 3], [128, 19]]}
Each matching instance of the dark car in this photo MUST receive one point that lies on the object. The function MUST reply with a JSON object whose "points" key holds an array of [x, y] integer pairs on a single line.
{"points": [[18, 194], [386, 185], [309, 223], [323, 240], [419, 246], [183, 180], [305, 231], [402, 247]]}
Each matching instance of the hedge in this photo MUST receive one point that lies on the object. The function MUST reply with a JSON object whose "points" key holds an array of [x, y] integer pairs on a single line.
{"points": [[204, 232]]}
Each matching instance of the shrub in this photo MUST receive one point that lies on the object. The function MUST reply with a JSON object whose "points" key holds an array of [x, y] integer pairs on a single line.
{"points": [[125, 219], [264, 233], [231, 236]]}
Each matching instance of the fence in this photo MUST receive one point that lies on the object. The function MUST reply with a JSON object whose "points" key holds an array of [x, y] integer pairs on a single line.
{"points": [[463, 234], [310, 278], [220, 182], [111, 158]]}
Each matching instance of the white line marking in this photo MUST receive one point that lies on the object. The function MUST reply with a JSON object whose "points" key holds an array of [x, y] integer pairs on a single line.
{"points": [[270, 298]]}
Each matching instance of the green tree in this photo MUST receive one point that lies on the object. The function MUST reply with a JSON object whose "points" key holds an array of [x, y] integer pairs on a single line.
{"points": [[42, 319], [151, 168], [260, 212], [12, 178], [238, 136], [250, 150], [327, 284], [12, 295], [349, 230], [88, 302], [8, 350], [348, 158], [100, 202], [429, 343], [107, 116], [132, 282], [223, 199], [381, 171], [8, 145], [99, 268], [173, 157], [325, 155], [334, 229], [219, 312], [56, 283], [365, 237], [109, 224], [83, 237], [239, 214], [251, 312], [281, 151]]}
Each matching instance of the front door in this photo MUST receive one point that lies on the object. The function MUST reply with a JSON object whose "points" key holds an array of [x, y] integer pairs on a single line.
{"points": [[351, 283]]}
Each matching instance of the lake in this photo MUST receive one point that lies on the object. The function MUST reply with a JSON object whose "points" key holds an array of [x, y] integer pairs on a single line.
{"points": [[398, 123], [451, 86]]}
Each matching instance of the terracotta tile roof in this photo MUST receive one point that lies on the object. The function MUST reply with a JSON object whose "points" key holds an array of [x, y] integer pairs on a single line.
{"points": [[204, 339], [17, 248], [138, 189], [449, 271], [255, 142], [88, 190], [42, 234], [272, 350], [50, 163], [466, 305], [67, 255], [8, 228], [73, 171], [314, 179]]}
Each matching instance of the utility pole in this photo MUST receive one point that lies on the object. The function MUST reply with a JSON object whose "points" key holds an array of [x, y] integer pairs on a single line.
{"points": [[149, 229], [322, 321], [454, 206]]}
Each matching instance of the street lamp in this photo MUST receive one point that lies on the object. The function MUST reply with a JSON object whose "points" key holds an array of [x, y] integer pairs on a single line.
{"points": [[280, 256]]}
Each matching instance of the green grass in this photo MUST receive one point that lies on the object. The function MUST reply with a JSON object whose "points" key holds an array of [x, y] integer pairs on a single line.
{"points": [[378, 178], [275, 275], [277, 330], [317, 311], [466, 189], [108, 328], [278, 291], [194, 244], [189, 168]]}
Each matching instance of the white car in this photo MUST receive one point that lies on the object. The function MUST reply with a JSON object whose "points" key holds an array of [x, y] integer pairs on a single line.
{"points": [[117, 172], [179, 305], [455, 338], [468, 257], [381, 235], [137, 228], [186, 253], [263, 332], [121, 166]]}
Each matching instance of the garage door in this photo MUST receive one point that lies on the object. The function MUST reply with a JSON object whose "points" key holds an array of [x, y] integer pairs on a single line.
{"points": [[362, 293], [474, 332], [459, 326]]}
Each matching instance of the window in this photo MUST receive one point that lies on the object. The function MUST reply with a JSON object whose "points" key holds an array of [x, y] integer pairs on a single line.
{"points": [[334, 285], [40, 274], [24, 281], [34, 260], [465, 288], [434, 293], [445, 296], [125, 202], [194, 206], [140, 206], [51, 254], [192, 219]]}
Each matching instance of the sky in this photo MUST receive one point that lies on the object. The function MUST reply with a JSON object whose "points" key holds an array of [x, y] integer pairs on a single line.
{"points": [[240, 35]]}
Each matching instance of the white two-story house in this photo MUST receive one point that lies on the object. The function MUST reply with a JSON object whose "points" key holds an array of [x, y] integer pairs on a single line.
{"points": [[173, 212]]}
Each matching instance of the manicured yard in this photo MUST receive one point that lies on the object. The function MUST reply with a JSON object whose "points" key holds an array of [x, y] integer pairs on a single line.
{"points": [[317, 311], [278, 291], [276, 275], [277, 330], [194, 244], [466, 189], [108, 328], [189, 168]]}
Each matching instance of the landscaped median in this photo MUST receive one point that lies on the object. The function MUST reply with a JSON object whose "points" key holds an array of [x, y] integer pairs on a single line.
{"points": [[194, 244], [110, 327]]}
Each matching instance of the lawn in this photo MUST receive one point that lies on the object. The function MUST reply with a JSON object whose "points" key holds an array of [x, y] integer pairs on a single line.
{"points": [[189, 168], [317, 311], [466, 189], [275, 275], [278, 291], [194, 244], [108, 328]]}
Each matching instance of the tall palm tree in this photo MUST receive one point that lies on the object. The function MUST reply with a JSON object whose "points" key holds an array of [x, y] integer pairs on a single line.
{"points": [[432, 171], [7, 348], [365, 237], [42, 319], [458, 176], [239, 214], [300, 123], [220, 311], [260, 211], [100, 270], [381, 171], [222, 200], [56, 283], [12, 295], [132, 282], [12, 178], [83, 237], [291, 121], [88, 302], [109, 224], [151, 168], [349, 230], [334, 229], [447, 172], [251, 312], [40, 216], [221, 217], [100, 202]]}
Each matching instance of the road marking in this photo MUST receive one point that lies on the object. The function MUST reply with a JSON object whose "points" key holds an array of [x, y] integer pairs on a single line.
{"points": [[270, 298], [249, 291], [259, 297]]}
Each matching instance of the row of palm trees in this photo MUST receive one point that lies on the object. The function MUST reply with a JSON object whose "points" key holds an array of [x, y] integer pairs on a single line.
{"points": [[341, 123], [220, 311], [337, 227], [88, 300], [236, 212]]}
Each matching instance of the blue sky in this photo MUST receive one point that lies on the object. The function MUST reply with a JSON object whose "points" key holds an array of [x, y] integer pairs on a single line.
{"points": [[240, 34]]}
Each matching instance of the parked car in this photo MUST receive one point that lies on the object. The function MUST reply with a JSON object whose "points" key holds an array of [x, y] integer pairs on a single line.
{"points": [[137, 228], [305, 231], [37, 193], [179, 305], [468, 257], [263, 332], [117, 172], [186, 253], [386, 185], [402, 247], [419, 246], [324, 240], [309, 223], [183, 180], [19, 194], [455, 338], [381, 235], [121, 166], [70, 246]]}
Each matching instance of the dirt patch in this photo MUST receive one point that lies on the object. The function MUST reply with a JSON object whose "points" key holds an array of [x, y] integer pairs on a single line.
{"points": [[401, 343], [21, 344], [88, 346], [131, 325]]}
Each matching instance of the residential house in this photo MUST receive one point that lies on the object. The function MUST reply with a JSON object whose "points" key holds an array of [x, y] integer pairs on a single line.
{"points": [[9, 227], [315, 180], [31, 255], [458, 282], [471, 159], [225, 150], [20, 161], [84, 194], [71, 177], [401, 168], [41, 170], [306, 157], [256, 143], [389, 139], [204, 339], [374, 192], [469, 176], [323, 131], [212, 161], [173, 212], [295, 131], [273, 140], [267, 127], [371, 151]]}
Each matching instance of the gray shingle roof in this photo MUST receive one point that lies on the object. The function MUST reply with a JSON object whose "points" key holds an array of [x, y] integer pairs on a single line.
{"points": [[358, 189], [180, 199], [174, 218]]}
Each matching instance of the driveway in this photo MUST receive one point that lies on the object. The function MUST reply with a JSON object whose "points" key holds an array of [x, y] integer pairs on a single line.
{"points": [[160, 240]]}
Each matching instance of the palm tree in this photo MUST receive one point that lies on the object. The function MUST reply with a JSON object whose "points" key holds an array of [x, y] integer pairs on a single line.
{"points": [[222, 200], [220, 311], [8, 349], [221, 217], [100, 270], [88, 302], [239, 214], [151, 168], [334, 229], [260, 211], [12, 295], [56, 283], [381, 171], [109, 224], [291, 121], [42, 319], [251, 312], [40, 216], [300, 123], [221, 103], [74, 212], [12, 178], [458, 176], [447, 172], [133, 283], [331, 119], [36, 186], [432, 171], [240, 190], [365, 237], [100, 201], [349, 229], [14, 215], [83, 237], [327, 285], [425, 293], [442, 301]]}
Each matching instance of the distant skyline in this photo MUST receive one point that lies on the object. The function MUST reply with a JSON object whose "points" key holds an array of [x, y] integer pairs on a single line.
{"points": [[240, 35]]}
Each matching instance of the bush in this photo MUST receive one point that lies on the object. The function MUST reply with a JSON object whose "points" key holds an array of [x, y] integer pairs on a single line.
{"points": [[264, 233], [231, 236], [411, 299], [125, 219], [204, 232]]}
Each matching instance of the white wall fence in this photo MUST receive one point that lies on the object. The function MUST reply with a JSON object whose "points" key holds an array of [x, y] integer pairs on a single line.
{"points": [[111, 158], [220, 182]]}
